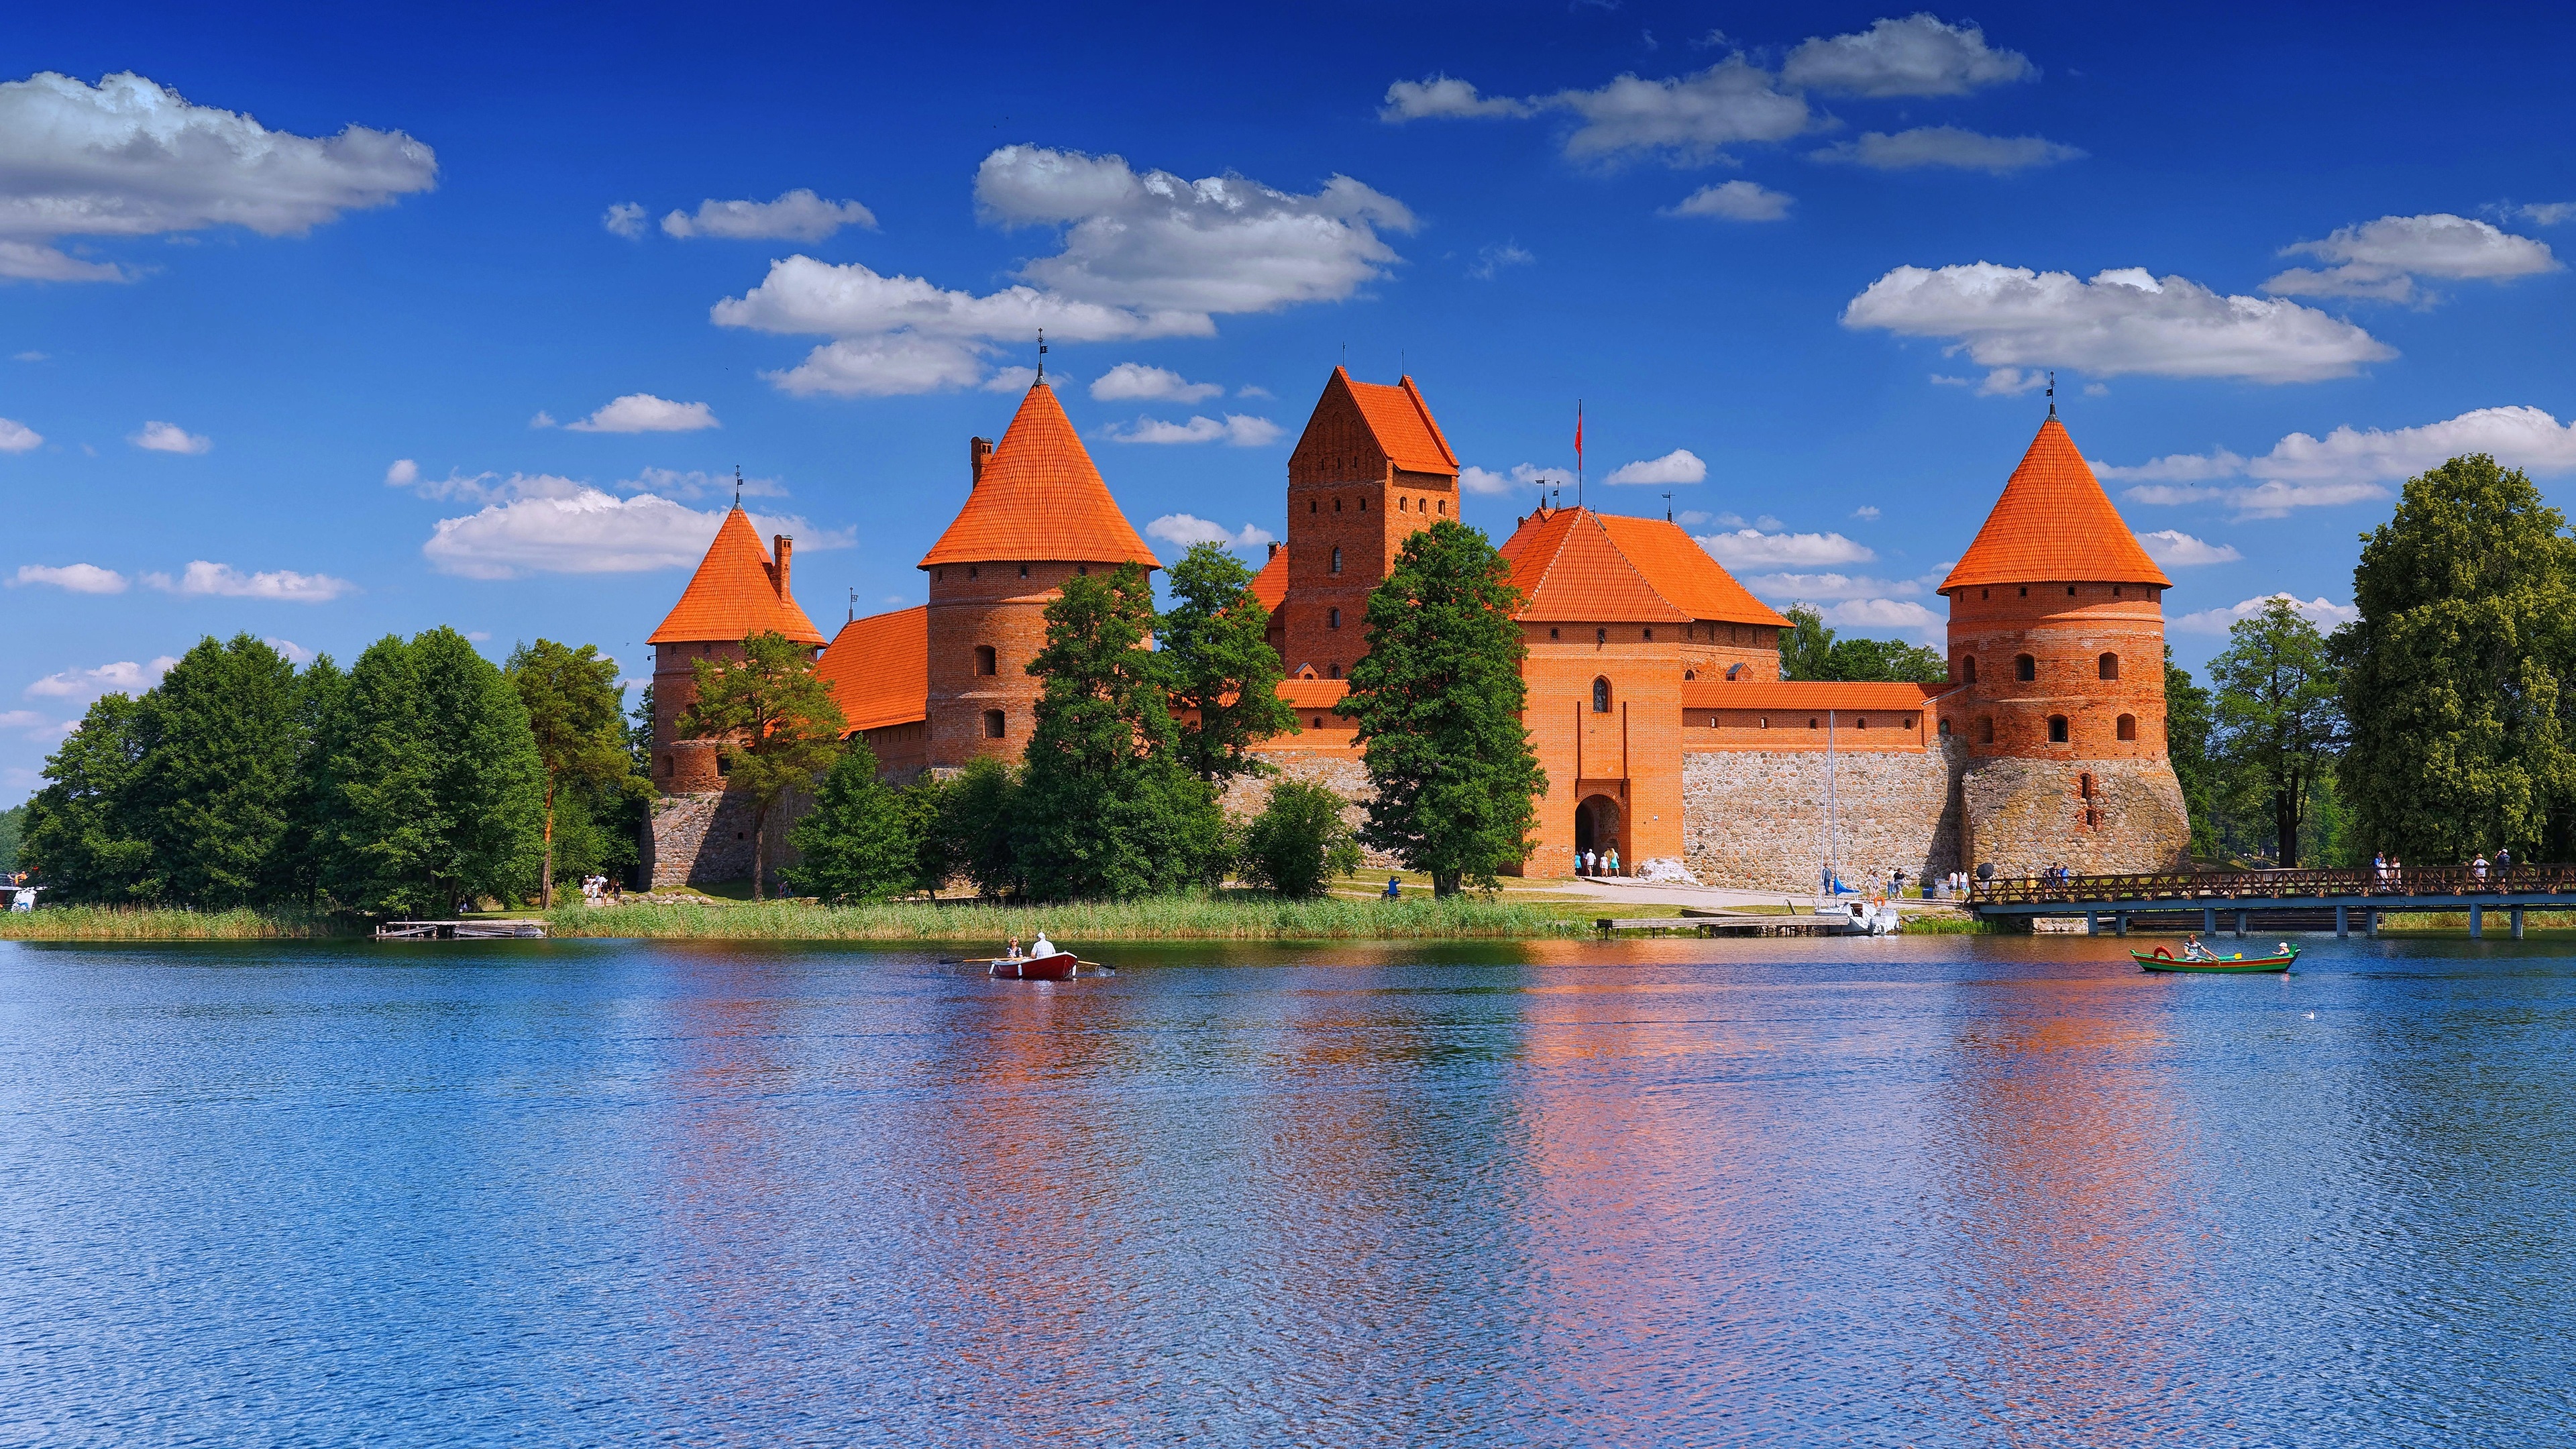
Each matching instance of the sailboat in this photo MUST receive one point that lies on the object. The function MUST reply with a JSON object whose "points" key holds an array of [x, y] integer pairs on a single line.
{"points": [[1875, 918]]}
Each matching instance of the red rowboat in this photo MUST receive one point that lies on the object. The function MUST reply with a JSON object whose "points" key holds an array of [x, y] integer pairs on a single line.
{"points": [[1062, 966]]}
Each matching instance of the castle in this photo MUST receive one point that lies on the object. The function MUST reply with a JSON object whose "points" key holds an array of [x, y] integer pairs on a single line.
{"points": [[1655, 701]]}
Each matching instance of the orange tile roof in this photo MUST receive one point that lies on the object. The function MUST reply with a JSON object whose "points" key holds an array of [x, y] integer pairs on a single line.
{"points": [[1402, 423], [734, 594], [2054, 524], [1040, 498], [878, 669], [1314, 693], [1572, 563], [1270, 585], [1806, 694]]}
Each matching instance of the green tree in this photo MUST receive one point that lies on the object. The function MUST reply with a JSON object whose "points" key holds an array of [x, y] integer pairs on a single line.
{"points": [[489, 781], [1218, 664], [2452, 673], [1300, 841], [1437, 701], [2277, 724], [1809, 650], [974, 832], [216, 789], [317, 827], [778, 723], [81, 838], [858, 842], [1105, 806], [1806, 646], [13, 826], [577, 718], [2187, 728]]}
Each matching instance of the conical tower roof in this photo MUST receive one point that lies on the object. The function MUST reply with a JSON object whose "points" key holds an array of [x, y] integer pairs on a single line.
{"points": [[1040, 498], [2054, 524], [736, 593]]}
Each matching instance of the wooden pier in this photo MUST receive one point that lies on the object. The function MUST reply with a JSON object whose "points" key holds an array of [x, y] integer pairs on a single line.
{"points": [[2280, 900], [1732, 923], [461, 931]]}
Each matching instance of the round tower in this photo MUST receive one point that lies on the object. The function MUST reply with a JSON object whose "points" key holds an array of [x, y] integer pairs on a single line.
{"points": [[1036, 515], [2057, 666], [739, 590]]}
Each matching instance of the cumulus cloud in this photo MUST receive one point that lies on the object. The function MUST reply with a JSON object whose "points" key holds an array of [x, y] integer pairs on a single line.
{"points": [[1135, 382], [124, 677], [2176, 549], [2323, 612], [1681, 465], [1825, 587], [544, 524], [1494, 257], [1182, 530], [797, 215], [128, 157], [1751, 548], [17, 437], [2547, 213], [79, 578], [697, 483], [891, 365], [219, 580], [2381, 260], [1445, 97], [1734, 201], [1946, 146], [1916, 56], [1520, 479], [1866, 513], [160, 437], [625, 219], [2122, 321], [1009, 379], [1883, 614], [1687, 119], [295, 653], [641, 412], [402, 473], [1236, 430], [2350, 464]]}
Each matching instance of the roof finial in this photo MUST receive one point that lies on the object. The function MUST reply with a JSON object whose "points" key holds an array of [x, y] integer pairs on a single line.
{"points": [[854, 605], [1041, 354], [737, 485], [1668, 505], [2052, 392]]}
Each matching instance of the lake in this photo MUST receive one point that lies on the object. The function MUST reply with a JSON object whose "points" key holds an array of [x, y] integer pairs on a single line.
{"points": [[1935, 1191]]}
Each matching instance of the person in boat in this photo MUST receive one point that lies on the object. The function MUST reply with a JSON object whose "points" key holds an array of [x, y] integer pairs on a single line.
{"points": [[1041, 948], [1011, 952], [2192, 950]]}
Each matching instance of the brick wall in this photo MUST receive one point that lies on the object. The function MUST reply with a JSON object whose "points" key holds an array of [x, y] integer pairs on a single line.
{"points": [[994, 605], [1756, 818], [2027, 815], [2066, 630], [682, 767], [1622, 765]]}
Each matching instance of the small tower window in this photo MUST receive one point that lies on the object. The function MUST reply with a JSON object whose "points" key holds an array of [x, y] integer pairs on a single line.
{"points": [[2025, 667], [2127, 728], [1690, 674], [1861, 723], [1024, 571], [2057, 729], [1337, 505], [992, 724], [1600, 636], [1811, 723], [1319, 722], [1650, 636], [2110, 666], [1986, 730], [1967, 669], [984, 659], [1444, 507], [1310, 505], [970, 571], [1600, 696], [1332, 618], [1337, 562], [1363, 505], [2025, 591], [1551, 633], [1945, 729], [1333, 670]]}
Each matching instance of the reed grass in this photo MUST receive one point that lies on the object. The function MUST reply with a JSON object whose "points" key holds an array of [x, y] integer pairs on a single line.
{"points": [[1231, 916], [1946, 924], [144, 923]]}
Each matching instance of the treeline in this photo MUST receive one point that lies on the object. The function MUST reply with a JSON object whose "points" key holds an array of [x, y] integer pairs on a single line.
{"points": [[1810, 650], [408, 783], [2437, 726]]}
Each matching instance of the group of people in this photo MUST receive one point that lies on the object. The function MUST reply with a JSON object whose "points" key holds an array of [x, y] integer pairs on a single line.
{"points": [[1953, 886], [2388, 873], [1039, 949], [594, 890], [1591, 862]]}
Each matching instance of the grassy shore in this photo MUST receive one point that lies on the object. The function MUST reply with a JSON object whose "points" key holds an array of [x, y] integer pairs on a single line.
{"points": [[134, 923], [1232, 916]]}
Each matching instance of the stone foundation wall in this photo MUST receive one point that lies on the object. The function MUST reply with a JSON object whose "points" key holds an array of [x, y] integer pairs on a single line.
{"points": [[1756, 818], [704, 838], [2026, 815], [1344, 775]]}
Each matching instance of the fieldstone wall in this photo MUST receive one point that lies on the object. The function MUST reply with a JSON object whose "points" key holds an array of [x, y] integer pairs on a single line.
{"points": [[704, 838], [1756, 818], [1344, 775], [2027, 815]]}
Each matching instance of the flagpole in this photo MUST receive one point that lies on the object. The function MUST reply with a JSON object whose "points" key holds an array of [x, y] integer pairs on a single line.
{"points": [[1578, 452]]}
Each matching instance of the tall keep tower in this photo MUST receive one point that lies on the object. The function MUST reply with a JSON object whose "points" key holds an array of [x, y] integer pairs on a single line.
{"points": [[2057, 635], [1370, 470], [1036, 514]]}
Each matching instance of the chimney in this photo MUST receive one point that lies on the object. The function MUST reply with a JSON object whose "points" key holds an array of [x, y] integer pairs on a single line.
{"points": [[977, 451], [781, 545], [1274, 551]]}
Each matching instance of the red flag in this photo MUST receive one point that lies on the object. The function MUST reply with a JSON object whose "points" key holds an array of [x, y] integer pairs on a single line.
{"points": [[1578, 430]]}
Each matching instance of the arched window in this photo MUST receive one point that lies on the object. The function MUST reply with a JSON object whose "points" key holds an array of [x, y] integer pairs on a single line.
{"points": [[1337, 562], [2025, 667], [1690, 674], [1600, 696], [2128, 727], [2057, 729], [1444, 508], [2110, 665], [992, 724], [1967, 669], [984, 659], [1332, 618], [1333, 670], [1945, 727], [1403, 504], [1986, 730]]}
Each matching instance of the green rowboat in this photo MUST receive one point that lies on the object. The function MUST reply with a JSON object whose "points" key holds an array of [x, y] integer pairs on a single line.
{"points": [[2163, 959]]}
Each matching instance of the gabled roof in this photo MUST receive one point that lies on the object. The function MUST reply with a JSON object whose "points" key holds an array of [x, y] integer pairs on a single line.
{"points": [[1402, 423], [878, 669], [734, 594], [1040, 498], [1572, 563], [1270, 585], [1707, 692], [2054, 524]]}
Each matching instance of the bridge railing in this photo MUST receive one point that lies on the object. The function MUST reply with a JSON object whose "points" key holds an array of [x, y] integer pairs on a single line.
{"points": [[2221, 885]]}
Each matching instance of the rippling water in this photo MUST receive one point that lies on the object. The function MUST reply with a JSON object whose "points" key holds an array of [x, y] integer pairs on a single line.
{"points": [[1919, 1192]]}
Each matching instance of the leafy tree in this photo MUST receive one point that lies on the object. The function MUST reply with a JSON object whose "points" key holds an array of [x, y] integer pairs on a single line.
{"points": [[81, 838], [973, 830], [1811, 651], [2452, 678], [487, 775], [216, 790], [1218, 663], [1437, 700], [1105, 806], [1299, 841], [321, 732], [2187, 729], [2277, 721], [778, 723], [577, 719], [13, 825], [858, 841], [1807, 646]]}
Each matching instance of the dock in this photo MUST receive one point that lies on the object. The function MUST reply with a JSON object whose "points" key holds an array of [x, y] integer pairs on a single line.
{"points": [[461, 931], [1731, 923]]}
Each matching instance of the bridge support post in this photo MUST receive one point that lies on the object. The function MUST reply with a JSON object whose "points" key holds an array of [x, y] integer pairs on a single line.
{"points": [[2120, 922], [2370, 923], [2209, 920], [2240, 925], [2343, 921], [2477, 922], [2092, 923], [2517, 923]]}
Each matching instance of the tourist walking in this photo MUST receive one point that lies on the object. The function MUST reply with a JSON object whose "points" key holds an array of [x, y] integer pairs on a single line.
{"points": [[2478, 872], [1614, 860]]}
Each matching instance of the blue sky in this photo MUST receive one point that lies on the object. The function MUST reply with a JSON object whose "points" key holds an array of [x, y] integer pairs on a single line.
{"points": [[263, 371]]}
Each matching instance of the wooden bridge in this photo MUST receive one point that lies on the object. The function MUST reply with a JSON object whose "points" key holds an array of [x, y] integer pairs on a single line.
{"points": [[2279, 900]]}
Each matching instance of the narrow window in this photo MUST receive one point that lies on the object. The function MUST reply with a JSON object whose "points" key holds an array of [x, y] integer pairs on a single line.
{"points": [[984, 663], [2025, 667], [1762, 722], [1332, 618], [1811, 723], [2115, 591], [1444, 507], [1337, 562], [1083, 569], [723, 765], [2057, 729], [1333, 670], [1337, 505], [1600, 696], [1909, 721], [971, 571], [1363, 505], [1310, 505], [1319, 722], [992, 724], [2110, 664], [1024, 571], [1986, 730], [1551, 633], [1861, 724], [2025, 591], [1945, 727], [1967, 669], [1985, 593], [1600, 636], [2127, 728], [2084, 784], [1403, 504], [1650, 636], [2070, 591]]}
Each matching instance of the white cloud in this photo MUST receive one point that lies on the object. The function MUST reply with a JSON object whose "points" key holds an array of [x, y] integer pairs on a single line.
{"points": [[891, 365], [697, 483], [17, 437], [1681, 465], [1752, 548], [1522, 477], [2382, 259], [79, 578], [126, 677], [219, 580], [295, 653], [1009, 379], [1883, 614], [1182, 530], [1445, 97], [1916, 56], [2350, 465], [1866, 513], [1135, 382], [544, 524], [31, 357], [1686, 119], [1253, 390], [2176, 549], [1947, 146], [128, 157], [403, 473], [2323, 612], [160, 437], [2547, 213], [2011, 382], [2122, 321], [1828, 586], [641, 412], [626, 219], [1734, 201], [22, 719], [2177, 468], [798, 215], [1238, 430]]}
